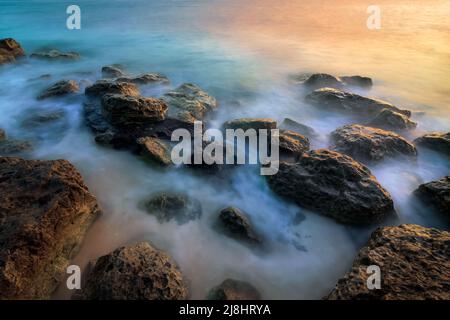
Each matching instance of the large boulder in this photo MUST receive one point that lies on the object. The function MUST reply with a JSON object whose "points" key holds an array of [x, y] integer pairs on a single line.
{"points": [[54, 54], [60, 88], [102, 87], [414, 264], [437, 194], [135, 272], [44, 214], [232, 289], [156, 150], [236, 224], [146, 78], [292, 125], [437, 141], [251, 123], [350, 103], [334, 185], [10, 50], [370, 145], [390, 120]]}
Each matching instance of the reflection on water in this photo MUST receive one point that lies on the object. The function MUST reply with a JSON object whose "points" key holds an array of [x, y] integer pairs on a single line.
{"points": [[240, 51]]}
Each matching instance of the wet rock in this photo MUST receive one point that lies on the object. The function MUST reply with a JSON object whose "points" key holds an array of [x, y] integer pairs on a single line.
{"points": [[414, 262], [293, 143], [232, 289], [289, 124], [334, 185], [350, 103], [10, 50], [437, 194], [251, 123], [42, 118], [55, 54], [236, 224], [103, 87], [357, 81], [168, 205], [44, 214], [147, 78], [322, 80], [112, 71], [10, 147], [391, 120], [370, 145], [135, 272], [156, 150], [60, 88], [437, 141]]}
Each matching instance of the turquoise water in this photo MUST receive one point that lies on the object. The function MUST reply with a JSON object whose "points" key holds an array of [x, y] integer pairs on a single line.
{"points": [[201, 42]]}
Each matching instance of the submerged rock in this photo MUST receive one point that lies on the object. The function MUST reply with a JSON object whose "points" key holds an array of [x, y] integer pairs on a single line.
{"points": [[437, 194], [289, 124], [369, 145], [168, 205], [135, 272], [146, 78], [10, 147], [350, 103], [292, 143], [10, 50], [414, 262], [232, 289], [60, 88], [44, 214], [55, 54], [334, 185], [357, 81], [251, 123], [42, 118], [112, 71], [102, 87], [390, 120], [156, 150], [437, 141], [237, 225], [324, 80]]}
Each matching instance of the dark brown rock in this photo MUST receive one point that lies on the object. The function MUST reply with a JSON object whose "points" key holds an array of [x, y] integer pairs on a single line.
{"points": [[178, 206], [10, 146], [232, 289], [391, 120], [370, 145], [437, 141], [236, 224], [156, 150], [414, 262], [437, 194], [357, 81], [10, 50], [60, 88], [112, 71], [136, 272], [334, 185], [146, 78], [44, 214], [42, 117], [102, 87], [292, 143], [55, 54], [289, 124], [251, 123], [322, 80]]}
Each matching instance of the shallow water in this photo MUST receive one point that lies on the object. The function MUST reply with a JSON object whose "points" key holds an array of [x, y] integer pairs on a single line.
{"points": [[238, 51]]}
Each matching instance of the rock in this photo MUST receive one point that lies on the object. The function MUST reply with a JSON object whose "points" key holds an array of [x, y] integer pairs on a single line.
{"points": [[54, 54], [236, 224], [60, 88], [123, 110], [436, 193], [189, 102], [44, 214], [292, 143], [103, 87], [251, 123], [10, 147], [10, 50], [370, 145], [135, 272], [322, 80], [232, 289], [289, 124], [357, 81], [436, 141], [414, 262], [156, 150], [2, 134], [391, 120], [147, 78], [350, 103], [112, 71], [42, 118], [180, 207], [334, 185]]}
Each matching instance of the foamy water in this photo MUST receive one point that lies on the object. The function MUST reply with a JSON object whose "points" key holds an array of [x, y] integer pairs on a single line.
{"points": [[238, 51]]}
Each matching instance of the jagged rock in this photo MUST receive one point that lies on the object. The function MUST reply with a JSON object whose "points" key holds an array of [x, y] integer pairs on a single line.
{"points": [[391, 120], [43, 117], [135, 272], [180, 207], [334, 185], [236, 224], [232, 289], [292, 143], [370, 145], [436, 193], [123, 110], [289, 124], [350, 103], [10, 50], [112, 71], [10, 147], [436, 141], [55, 54], [251, 123], [147, 78], [156, 150], [60, 88], [414, 263], [103, 87], [357, 81], [44, 214]]}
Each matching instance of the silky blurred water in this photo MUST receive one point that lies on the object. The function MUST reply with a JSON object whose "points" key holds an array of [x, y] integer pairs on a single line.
{"points": [[242, 52]]}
